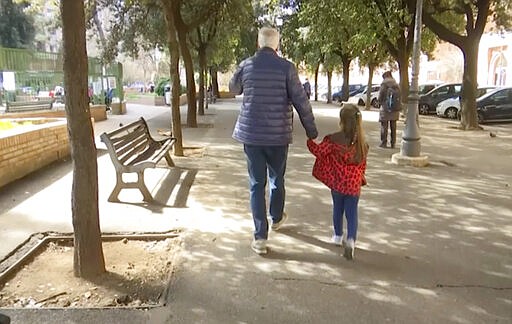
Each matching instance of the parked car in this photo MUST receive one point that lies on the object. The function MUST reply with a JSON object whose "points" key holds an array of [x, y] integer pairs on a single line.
{"points": [[428, 86], [27, 90], [322, 91], [495, 106], [358, 91], [323, 95], [360, 98], [352, 90], [450, 107], [429, 101]]}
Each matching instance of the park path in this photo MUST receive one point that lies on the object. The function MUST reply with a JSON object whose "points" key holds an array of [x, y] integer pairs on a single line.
{"points": [[434, 243]]}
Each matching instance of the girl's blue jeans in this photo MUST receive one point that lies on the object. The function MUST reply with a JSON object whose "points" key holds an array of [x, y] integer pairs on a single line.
{"points": [[261, 159], [344, 205]]}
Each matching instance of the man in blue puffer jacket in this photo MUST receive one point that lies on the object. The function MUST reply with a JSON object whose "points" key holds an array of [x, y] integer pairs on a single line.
{"points": [[270, 86]]}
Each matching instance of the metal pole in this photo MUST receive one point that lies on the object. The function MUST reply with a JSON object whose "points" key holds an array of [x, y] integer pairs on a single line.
{"points": [[411, 145]]}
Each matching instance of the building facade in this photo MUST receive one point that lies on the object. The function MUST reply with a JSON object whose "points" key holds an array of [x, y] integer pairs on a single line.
{"points": [[495, 59]]}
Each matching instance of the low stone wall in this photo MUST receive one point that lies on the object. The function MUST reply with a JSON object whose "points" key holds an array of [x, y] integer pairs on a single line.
{"points": [[118, 108], [98, 112], [159, 101], [25, 149], [35, 114]]}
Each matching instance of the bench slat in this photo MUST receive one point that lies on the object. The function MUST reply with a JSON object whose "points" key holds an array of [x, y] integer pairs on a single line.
{"points": [[136, 151], [121, 140], [126, 127], [128, 146], [128, 143], [165, 148], [155, 152]]}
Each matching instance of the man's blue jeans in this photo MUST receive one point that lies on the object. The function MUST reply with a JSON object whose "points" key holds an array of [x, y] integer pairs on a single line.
{"points": [[344, 205], [259, 160]]}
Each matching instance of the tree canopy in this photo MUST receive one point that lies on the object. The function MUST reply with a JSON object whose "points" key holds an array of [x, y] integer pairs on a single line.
{"points": [[16, 27], [462, 23], [370, 31]]}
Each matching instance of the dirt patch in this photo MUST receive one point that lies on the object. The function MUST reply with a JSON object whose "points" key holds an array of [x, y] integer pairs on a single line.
{"points": [[138, 271]]}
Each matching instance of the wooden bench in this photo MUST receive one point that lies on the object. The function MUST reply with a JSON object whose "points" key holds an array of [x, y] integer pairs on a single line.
{"points": [[16, 106], [132, 149]]}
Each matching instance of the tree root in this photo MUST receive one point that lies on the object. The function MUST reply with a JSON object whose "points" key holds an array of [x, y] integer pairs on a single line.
{"points": [[470, 128], [51, 297]]}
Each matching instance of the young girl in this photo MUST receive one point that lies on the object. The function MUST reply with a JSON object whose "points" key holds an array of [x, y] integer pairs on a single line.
{"points": [[340, 165]]}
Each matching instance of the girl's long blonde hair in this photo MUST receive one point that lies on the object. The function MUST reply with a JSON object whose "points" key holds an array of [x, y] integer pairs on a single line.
{"points": [[351, 124]]}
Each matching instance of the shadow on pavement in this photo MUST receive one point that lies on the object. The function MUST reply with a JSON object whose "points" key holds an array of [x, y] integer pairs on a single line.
{"points": [[174, 180]]}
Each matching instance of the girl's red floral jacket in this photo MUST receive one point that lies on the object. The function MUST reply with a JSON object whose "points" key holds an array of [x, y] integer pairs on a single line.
{"points": [[335, 166]]}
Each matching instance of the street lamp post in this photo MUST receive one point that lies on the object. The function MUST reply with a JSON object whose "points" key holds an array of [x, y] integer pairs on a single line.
{"points": [[411, 146]]}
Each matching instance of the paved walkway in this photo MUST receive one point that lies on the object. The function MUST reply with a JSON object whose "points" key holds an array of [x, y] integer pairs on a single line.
{"points": [[434, 243]]}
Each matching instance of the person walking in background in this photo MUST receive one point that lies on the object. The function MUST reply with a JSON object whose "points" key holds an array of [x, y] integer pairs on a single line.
{"points": [[270, 85], [390, 105], [341, 165], [109, 95], [307, 88], [90, 93]]}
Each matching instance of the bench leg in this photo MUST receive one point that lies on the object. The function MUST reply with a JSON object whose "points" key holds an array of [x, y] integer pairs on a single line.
{"points": [[117, 189], [142, 187], [169, 160], [120, 184]]}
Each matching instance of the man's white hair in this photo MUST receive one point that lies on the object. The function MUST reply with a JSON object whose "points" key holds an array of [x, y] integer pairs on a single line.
{"points": [[268, 37]]}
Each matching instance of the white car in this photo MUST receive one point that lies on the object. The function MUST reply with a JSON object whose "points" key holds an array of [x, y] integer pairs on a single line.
{"points": [[450, 107], [360, 98]]}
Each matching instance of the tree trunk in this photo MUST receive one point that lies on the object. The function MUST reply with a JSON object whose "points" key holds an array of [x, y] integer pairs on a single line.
{"points": [[346, 71], [329, 82], [371, 68], [317, 68], [88, 260], [468, 43], [175, 77], [403, 67], [206, 82], [469, 118], [191, 84], [215, 80], [202, 75], [181, 30]]}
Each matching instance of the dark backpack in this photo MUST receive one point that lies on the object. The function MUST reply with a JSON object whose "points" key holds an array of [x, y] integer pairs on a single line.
{"points": [[393, 100]]}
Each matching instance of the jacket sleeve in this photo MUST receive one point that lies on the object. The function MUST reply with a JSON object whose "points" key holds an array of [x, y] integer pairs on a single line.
{"points": [[235, 84], [312, 146], [297, 96], [321, 149], [383, 92]]}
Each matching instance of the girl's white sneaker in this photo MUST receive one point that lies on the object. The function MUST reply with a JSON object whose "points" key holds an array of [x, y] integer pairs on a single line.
{"points": [[349, 248], [337, 240]]}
